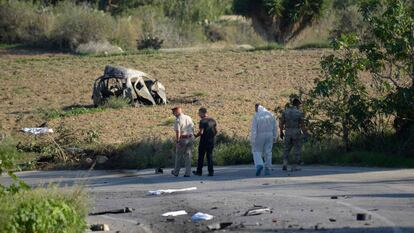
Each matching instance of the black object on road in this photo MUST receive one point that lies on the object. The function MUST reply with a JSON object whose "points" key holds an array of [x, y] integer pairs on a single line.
{"points": [[118, 211]]}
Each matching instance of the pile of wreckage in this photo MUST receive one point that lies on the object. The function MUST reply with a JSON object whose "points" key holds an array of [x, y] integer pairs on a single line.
{"points": [[133, 85]]}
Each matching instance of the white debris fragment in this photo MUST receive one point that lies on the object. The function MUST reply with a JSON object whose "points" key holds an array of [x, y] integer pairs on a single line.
{"points": [[174, 213], [201, 217], [37, 131], [168, 191]]}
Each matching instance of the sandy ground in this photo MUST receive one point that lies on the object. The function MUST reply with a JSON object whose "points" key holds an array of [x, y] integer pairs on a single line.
{"points": [[300, 201]]}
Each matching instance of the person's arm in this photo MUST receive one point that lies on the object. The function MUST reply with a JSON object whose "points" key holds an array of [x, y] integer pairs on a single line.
{"points": [[253, 131], [215, 128], [275, 133], [282, 126], [177, 131], [200, 131]]}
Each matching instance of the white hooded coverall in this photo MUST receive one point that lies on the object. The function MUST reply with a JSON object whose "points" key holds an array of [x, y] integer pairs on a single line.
{"points": [[263, 135]]}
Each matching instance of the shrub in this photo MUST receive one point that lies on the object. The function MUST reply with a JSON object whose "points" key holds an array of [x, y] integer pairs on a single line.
{"points": [[43, 210], [149, 42], [22, 22], [80, 24]]}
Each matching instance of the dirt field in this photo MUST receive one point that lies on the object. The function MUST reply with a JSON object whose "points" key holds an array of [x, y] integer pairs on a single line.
{"points": [[228, 83]]}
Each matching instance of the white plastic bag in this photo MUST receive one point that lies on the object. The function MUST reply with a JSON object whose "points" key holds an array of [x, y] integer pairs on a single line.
{"points": [[201, 217]]}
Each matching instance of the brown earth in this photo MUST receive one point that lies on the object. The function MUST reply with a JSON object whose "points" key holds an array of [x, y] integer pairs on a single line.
{"points": [[228, 83]]}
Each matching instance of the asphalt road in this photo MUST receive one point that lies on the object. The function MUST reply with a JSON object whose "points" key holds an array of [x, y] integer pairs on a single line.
{"points": [[318, 198]]}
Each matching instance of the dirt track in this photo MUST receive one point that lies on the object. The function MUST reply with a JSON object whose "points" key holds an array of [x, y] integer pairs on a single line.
{"points": [[299, 201]]}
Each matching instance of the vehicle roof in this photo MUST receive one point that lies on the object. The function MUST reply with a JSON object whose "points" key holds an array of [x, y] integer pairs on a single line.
{"points": [[122, 72]]}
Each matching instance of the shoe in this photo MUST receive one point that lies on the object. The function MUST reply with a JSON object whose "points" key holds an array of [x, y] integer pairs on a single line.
{"points": [[259, 169], [196, 173], [284, 168], [186, 176], [173, 173], [210, 174], [267, 172]]}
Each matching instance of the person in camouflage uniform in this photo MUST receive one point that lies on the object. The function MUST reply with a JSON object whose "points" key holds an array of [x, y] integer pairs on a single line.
{"points": [[292, 122]]}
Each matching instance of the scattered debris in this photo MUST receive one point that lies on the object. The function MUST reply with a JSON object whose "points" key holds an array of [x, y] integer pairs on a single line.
{"points": [[334, 197], [37, 131], [219, 226], [174, 213], [168, 191], [257, 211], [214, 207], [99, 227], [170, 219], [372, 210], [274, 220], [363, 217], [197, 217], [266, 184], [159, 171], [118, 211], [332, 220]]}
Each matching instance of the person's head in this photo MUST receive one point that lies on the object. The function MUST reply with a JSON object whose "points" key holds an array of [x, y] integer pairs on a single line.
{"points": [[256, 107], [176, 111], [202, 112], [296, 102]]}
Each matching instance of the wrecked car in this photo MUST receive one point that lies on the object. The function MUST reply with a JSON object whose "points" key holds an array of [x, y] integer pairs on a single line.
{"points": [[130, 84]]}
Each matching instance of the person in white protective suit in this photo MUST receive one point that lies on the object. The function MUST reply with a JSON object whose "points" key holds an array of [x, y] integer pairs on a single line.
{"points": [[263, 135]]}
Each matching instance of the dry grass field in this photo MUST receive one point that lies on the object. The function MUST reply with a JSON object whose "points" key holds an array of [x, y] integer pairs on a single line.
{"points": [[227, 82]]}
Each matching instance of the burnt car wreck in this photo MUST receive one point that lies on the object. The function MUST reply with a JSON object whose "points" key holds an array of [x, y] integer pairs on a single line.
{"points": [[134, 85]]}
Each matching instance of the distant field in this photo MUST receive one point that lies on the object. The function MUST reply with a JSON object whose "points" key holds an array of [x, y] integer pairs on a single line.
{"points": [[228, 83]]}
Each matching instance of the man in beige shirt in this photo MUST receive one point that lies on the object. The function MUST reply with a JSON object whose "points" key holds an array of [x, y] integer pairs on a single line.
{"points": [[184, 137]]}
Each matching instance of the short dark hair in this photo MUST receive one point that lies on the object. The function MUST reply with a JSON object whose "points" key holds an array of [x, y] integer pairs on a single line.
{"points": [[203, 110], [296, 102]]}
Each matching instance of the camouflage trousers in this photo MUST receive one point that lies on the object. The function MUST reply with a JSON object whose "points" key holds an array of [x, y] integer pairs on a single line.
{"points": [[293, 142]]}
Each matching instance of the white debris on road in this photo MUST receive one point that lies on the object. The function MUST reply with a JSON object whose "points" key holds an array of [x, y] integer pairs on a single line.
{"points": [[169, 191], [174, 213], [197, 217]]}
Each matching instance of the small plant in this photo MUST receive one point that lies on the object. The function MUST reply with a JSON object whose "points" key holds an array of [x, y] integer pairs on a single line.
{"points": [[92, 136], [149, 42], [116, 103]]}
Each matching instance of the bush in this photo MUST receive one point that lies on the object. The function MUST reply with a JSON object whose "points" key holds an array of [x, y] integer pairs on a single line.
{"points": [[149, 42], [44, 210], [24, 22], [80, 24]]}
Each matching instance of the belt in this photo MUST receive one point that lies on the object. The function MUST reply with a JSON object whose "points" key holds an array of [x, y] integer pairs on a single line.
{"points": [[186, 136]]}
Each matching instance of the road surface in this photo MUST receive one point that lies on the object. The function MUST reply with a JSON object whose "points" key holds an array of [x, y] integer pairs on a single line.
{"points": [[318, 198]]}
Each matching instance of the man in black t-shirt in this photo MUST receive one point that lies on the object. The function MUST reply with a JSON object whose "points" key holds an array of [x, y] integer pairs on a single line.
{"points": [[207, 133]]}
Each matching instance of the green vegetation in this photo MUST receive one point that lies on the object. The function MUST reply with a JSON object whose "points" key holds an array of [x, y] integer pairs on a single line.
{"points": [[280, 20], [345, 105], [86, 27], [43, 210], [116, 103]]}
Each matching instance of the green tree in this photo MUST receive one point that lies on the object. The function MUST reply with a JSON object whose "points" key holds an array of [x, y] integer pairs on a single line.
{"points": [[280, 20], [389, 48], [339, 104]]}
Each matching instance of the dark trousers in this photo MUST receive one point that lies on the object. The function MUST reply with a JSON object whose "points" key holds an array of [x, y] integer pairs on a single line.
{"points": [[202, 151]]}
